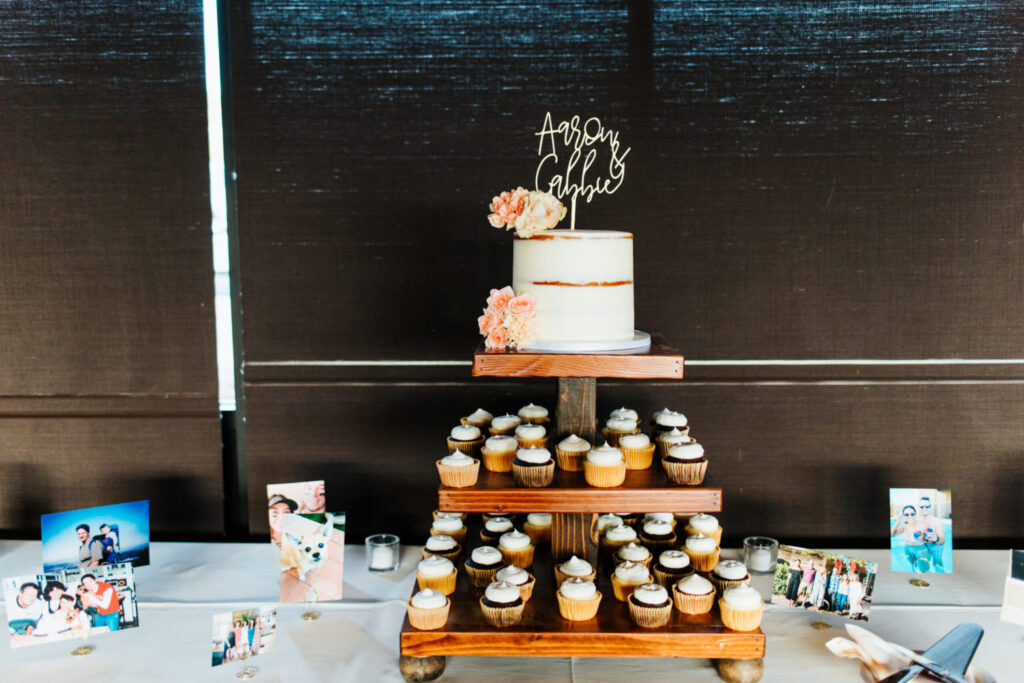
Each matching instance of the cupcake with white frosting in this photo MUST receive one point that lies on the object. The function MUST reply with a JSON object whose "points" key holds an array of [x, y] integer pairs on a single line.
{"points": [[502, 604], [604, 467], [498, 452], [465, 438], [428, 609], [519, 577], [637, 451], [442, 513], [443, 546], [657, 534], [437, 573], [708, 525], [618, 426], [504, 425], [650, 605], [693, 595], [666, 420], [729, 574], [449, 526], [626, 577], [625, 412], [493, 528], [533, 467], [483, 563], [634, 552], [538, 527], [671, 566], [570, 452], [741, 608], [458, 470], [574, 567], [703, 552], [615, 537], [667, 440], [516, 548], [532, 435], [685, 464], [608, 519], [578, 599], [534, 414], [479, 418]]}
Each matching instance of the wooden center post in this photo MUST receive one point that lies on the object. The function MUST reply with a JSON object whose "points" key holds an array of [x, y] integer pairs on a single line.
{"points": [[575, 533]]}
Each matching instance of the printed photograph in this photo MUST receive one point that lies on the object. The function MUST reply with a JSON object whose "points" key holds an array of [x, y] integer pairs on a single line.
{"points": [[57, 606], [303, 497], [237, 636], [312, 556], [1013, 593], [820, 581], [92, 537], [921, 531]]}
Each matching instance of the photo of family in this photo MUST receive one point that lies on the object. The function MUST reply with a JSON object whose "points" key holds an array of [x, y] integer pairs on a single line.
{"points": [[57, 606], [93, 537], [238, 636], [303, 497], [823, 582], [921, 531], [312, 556]]}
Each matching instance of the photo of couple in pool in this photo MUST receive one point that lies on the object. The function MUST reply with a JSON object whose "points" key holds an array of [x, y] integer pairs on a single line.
{"points": [[921, 531]]}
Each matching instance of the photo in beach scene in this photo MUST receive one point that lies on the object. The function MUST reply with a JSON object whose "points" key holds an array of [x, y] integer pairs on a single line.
{"points": [[303, 497], [312, 556], [92, 537], [237, 636], [1013, 593], [921, 531], [59, 606], [821, 581]]}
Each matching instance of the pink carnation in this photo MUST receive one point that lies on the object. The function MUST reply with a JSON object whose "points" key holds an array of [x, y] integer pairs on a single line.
{"points": [[488, 321], [496, 338], [523, 305], [506, 207], [499, 298]]}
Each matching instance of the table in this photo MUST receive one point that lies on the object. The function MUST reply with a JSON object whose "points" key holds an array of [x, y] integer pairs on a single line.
{"points": [[357, 639]]}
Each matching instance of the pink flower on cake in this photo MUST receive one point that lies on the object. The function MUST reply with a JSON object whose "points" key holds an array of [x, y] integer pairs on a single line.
{"points": [[506, 207], [499, 298], [496, 338], [521, 330], [522, 305], [509, 320], [488, 321], [542, 212]]}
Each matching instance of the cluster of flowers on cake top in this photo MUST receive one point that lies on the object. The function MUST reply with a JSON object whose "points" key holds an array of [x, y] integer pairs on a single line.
{"points": [[529, 212], [510, 319]]}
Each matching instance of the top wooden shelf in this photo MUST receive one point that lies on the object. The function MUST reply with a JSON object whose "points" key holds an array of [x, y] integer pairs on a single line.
{"points": [[662, 361]]}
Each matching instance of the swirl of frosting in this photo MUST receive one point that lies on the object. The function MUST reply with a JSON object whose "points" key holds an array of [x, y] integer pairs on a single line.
{"points": [[634, 552], [448, 524], [694, 584], [576, 588], [498, 525], [576, 566], [620, 533], [440, 542], [460, 515], [671, 419], [742, 597], [485, 555], [702, 522], [634, 440], [435, 565], [658, 413], [699, 543], [620, 424], [512, 574], [651, 594], [428, 598], [674, 559], [502, 592], [501, 443], [514, 540], [531, 431], [686, 451], [479, 415], [608, 520], [534, 455], [574, 444], [730, 570], [532, 411], [657, 527], [632, 572], [605, 455], [539, 518], [625, 412], [504, 422], [465, 433], [457, 459], [674, 437], [660, 516]]}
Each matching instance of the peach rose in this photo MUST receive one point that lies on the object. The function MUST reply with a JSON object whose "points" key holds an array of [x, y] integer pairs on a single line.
{"points": [[499, 298], [522, 305], [521, 330], [488, 321], [506, 207], [542, 212], [497, 338]]}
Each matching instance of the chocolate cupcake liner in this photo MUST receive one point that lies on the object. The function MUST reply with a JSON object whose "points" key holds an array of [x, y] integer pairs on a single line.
{"points": [[459, 535], [459, 476], [468, 447], [638, 458], [715, 534], [539, 535], [685, 472], [656, 545], [530, 443], [649, 616], [561, 576], [703, 562], [740, 620], [624, 589], [570, 461], [448, 554], [503, 616], [533, 476], [497, 461], [604, 476], [442, 584], [721, 585], [481, 577], [520, 557], [668, 579], [575, 609], [611, 436], [693, 604], [428, 618]]}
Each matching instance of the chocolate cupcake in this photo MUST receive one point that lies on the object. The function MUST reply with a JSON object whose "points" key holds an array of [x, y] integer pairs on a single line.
{"points": [[666, 420], [519, 577], [657, 535], [729, 574], [533, 467], [493, 529], [671, 566], [466, 439], [483, 563], [650, 606], [685, 464], [502, 604], [442, 546], [693, 595]]}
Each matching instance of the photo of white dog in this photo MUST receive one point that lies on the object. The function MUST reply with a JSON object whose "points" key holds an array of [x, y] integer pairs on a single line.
{"points": [[304, 553], [312, 550]]}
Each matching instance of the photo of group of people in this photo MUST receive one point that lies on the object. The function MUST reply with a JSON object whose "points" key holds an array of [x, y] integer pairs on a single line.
{"points": [[93, 537], [57, 606], [823, 582], [238, 636], [921, 530], [310, 539]]}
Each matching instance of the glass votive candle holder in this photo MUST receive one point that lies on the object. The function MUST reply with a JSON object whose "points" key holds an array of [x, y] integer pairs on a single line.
{"points": [[760, 554], [382, 553]]}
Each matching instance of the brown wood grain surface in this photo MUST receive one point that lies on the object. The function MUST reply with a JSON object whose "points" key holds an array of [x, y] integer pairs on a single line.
{"points": [[660, 361]]}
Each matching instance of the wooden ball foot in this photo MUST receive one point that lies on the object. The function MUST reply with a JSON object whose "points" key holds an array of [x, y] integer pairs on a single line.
{"points": [[739, 670], [421, 669]]}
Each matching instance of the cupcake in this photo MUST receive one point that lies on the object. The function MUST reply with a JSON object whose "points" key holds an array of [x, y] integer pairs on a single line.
{"points": [[701, 523], [694, 595], [666, 420], [498, 452], [741, 608], [685, 463], [493, 529], [533, 467], [442, 546], [504, 425], [491, 515], [703, 552], [616, 427], [438, 573], [626, 577], [479, 418], [570, 452], [729, 574], [667, 440], [574, 568], [578, 599], [465, 438], [529, 435], [657, 534], [538, 527], [650, 605], [449, 526], [428, 609], [516, 548], [671, 566], [634, 552], [669, 517], [625, 412], [483, 563], [608, 519], [604, 467], [502, 604], [637, 451], [616, 536], [458, 470], [460, 515], [536, 415], [518, 577]]}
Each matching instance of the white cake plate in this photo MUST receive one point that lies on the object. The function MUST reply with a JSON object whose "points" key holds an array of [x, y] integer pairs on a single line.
{"points": [[638, 343]]}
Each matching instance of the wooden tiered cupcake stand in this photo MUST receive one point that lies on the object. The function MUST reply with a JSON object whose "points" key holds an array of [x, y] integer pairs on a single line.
{"points": [[738, 656]]}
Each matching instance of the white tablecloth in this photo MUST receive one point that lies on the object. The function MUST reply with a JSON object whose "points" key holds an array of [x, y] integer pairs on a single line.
{"points": [[356, 640]]}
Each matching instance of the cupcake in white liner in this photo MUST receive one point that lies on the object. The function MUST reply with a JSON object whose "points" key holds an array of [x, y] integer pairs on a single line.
{"points": [[671, 566], [741, 608], [708, 525], [570, 453], [504, 425], [634, 552], [650, 605], [442, 545], [533, 467], [574, 568], [498, 452], [479, 418], [637, 451], [625, 412], [685, 464], [483, 563], [657, 534], [694, 595], [458, 470], [626, 577], [519, 577], [667, 440], [532, 435], [534, 414], [617, 427], [703, 552], [502, 604], [428, 609], [465, 438], [608, 519], [538, 527], [604, 467], [516, 548], [437, 573], [449, 526], [578, 599], [615, 537], [493, 528], [729, 574]]}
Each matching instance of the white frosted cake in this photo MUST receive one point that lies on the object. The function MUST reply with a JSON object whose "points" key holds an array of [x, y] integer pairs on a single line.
{"points": [[582, 281]]}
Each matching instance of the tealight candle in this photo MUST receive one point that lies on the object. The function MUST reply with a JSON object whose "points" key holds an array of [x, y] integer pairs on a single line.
{"points": [[382, 553], [759, 554]]}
